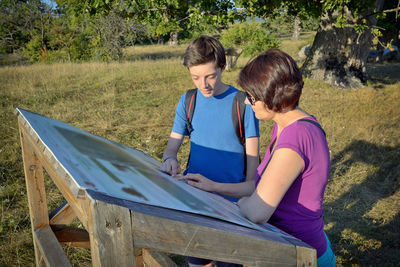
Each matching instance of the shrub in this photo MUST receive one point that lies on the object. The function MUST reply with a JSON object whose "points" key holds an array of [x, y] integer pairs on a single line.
{"points": [[250, 37], [32, 48]]}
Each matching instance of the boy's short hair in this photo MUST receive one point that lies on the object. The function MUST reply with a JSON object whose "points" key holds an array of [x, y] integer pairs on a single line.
{"points": [[203, 50]]}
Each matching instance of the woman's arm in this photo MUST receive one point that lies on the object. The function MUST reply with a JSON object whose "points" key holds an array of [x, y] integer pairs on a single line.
{"points": [[284, 167]]}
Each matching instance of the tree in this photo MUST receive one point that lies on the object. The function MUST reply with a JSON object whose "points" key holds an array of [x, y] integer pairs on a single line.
{"points": [[22, 21], [164, 17], [247, 38], [389, 25], [340, 49]]}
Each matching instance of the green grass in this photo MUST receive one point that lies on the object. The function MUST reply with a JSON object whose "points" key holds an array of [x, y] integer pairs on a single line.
{"points": [[133, 103]]}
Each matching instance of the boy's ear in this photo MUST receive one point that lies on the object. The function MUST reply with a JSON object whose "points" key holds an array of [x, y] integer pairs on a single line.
{"points": [[223, 68]]}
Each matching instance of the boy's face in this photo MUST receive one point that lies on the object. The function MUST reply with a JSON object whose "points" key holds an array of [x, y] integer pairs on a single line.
{"points": [[207, 78]]}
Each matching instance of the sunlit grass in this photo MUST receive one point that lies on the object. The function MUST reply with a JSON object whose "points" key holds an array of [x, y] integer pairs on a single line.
{"points": [[133, 102]]}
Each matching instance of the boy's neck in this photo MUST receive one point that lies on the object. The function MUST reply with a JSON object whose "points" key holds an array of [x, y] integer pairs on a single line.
{"points": [[222, 88]]}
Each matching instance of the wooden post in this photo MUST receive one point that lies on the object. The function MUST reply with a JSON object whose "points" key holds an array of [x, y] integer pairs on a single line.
{"points": [[38, 209], [110, 231]]}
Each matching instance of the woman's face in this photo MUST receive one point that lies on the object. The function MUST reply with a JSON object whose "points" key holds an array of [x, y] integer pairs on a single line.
{"points": [[260, 109]]}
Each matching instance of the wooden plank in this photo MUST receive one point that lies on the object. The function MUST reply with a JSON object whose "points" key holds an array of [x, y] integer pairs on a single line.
{"points": [[273, 235], [306, 257], [138, 252], [52, 167], [51, 250], [34, 185], [71, 236], [64, 214], [153, 258], [36, 193], [194, 240], [279, 248], [110, 231]]}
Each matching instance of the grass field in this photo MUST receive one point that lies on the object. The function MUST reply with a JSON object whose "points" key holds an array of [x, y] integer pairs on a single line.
{"points": [[133, 103]]}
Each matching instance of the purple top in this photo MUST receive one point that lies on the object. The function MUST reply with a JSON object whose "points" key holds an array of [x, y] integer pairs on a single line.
{"points": [[300, 211]]}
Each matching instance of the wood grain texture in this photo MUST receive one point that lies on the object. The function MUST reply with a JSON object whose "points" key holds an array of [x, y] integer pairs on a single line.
{"points": [[62, 215], [51, 251], [71, 236], [36, 193], [199, 241], [306, 257], [153, 258], [110, 231]]}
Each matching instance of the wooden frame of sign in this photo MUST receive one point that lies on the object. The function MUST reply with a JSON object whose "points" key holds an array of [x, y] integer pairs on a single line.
{"points": [[125, 233]]}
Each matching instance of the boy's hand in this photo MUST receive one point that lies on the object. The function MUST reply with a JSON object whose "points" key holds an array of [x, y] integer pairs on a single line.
{"points": [[199, 181], [171, 166]]}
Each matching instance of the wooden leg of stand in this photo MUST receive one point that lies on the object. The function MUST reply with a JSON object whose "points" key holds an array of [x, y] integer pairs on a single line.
{"points": [[42, 235], [110, 232]]}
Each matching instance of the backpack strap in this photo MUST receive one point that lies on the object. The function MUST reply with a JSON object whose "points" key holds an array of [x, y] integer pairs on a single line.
{"points": [[315, 123], [238, 110], [190, 104]]}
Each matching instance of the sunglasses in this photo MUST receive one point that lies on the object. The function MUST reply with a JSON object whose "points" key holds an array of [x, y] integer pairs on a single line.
{"points": [[251, 99]]}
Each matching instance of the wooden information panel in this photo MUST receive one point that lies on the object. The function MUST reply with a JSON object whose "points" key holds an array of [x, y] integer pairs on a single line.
{"points": [[131, 211]]}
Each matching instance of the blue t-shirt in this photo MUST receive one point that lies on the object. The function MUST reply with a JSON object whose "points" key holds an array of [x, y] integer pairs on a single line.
{"points": [[215, 150]]}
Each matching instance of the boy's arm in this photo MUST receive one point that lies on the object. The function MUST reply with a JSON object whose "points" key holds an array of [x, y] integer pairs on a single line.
{"points": [[252, 157], [170, 161], [245, 188]]}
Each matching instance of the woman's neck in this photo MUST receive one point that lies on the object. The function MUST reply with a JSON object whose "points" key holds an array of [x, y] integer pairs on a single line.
{"points": [[284, 119]]}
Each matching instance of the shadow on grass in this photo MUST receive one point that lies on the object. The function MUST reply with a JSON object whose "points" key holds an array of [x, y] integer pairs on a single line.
{"points": [[386, 73], [356, 236], [13, 60], [154, 56]]}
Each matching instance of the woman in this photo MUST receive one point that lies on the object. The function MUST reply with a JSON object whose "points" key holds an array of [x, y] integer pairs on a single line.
{"points": [[291, 180]]}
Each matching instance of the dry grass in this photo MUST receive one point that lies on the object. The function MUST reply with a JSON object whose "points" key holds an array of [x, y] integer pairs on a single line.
{"points": [[133, 103]]}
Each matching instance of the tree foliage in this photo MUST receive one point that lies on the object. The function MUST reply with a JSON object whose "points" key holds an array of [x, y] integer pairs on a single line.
{"points": [[164, 17], [250, 37], [87, 29], [21, 22], [344, 37]]}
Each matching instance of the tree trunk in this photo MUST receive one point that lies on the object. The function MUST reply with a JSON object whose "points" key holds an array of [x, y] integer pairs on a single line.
{"points": [[232, 55], [296, 28], [338, 55], [173, 39]]}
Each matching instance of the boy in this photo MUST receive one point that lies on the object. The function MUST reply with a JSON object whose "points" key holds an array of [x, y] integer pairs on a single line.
{"points": [[215, 151]]}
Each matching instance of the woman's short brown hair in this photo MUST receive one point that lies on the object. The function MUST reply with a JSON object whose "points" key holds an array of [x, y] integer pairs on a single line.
{"points": [[203, 50], [274, 78]]}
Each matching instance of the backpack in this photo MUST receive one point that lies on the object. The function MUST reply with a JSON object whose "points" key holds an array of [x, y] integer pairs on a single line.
{"points": [[238, 110]]}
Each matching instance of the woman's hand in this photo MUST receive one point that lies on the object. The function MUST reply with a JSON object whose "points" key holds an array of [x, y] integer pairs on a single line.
{"points": [[199, 181]]}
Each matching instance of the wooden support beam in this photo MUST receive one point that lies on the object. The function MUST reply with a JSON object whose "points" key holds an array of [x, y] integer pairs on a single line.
{"points": [[64, 214], [110, 232], [35, 191], [71, 236], [306, 257], [51, 251], [153, 258], [190, 239]]}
